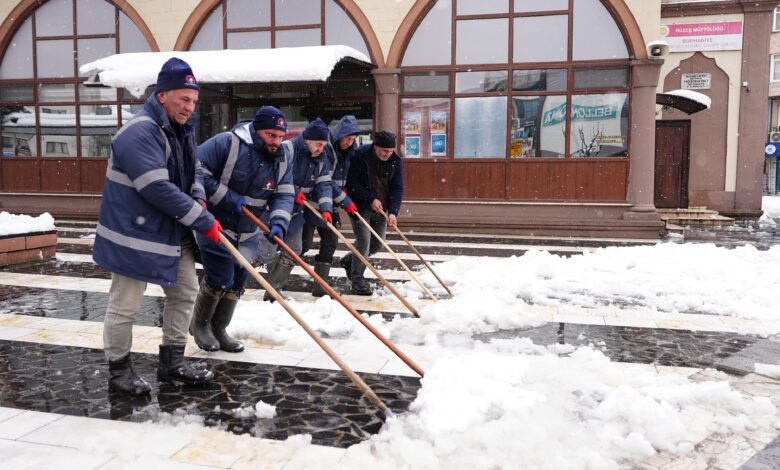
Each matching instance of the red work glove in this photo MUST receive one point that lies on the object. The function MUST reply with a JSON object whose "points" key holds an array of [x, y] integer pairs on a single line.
{"points": [[300, 198], [202, 203], [351, 208], [213, 233], [327, 216]]}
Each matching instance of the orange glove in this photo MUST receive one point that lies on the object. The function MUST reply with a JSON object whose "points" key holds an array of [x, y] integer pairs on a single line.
{"points": [[327, 216], [213, 233], [300, 198], [351, 208]]}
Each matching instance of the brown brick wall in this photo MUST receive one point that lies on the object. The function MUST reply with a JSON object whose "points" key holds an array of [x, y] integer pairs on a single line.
{"points": [[25, 249]]}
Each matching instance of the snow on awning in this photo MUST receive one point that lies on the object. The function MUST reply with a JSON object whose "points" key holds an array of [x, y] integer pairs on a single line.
{"points": [[687, 101], [137, 71]]}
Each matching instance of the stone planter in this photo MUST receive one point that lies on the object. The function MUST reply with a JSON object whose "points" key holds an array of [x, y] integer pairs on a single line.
{"points": [[27, 247]]}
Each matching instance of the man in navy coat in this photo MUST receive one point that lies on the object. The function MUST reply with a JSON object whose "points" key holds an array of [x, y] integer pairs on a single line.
{"points": [[153, 198]]}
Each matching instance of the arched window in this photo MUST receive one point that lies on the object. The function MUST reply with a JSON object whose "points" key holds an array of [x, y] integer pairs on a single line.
{"points": [[46, 109], [263, 24], [515, 79]]}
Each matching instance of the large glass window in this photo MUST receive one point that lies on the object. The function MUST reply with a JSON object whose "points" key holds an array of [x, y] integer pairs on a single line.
{"points": [[529, 94], [599, 125], [264, 24], [46, 111], [424, 127]]}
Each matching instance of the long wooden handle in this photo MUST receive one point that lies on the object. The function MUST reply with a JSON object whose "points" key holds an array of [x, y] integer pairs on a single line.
{"points": [[397, 258], [427, 264], [362, 259], [335, 295], [332, 354]]}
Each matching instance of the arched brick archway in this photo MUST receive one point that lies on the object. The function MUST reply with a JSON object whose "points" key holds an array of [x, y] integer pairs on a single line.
{"points": [[26, 7], [618, 9], [204, 9]]}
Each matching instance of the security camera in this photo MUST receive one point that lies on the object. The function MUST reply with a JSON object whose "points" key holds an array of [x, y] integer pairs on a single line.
{"points": [[657, 49]]}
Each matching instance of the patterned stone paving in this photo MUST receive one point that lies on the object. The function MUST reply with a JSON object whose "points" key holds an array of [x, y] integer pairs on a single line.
{"points": [[325, 404]]}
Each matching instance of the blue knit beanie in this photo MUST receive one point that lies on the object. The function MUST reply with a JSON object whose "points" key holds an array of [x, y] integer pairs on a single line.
{"points": [[269, 117], [316, 130], [175, 74]]}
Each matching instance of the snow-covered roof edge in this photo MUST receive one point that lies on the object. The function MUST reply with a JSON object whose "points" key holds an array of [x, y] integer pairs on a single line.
{"points": [[693, 96], [136, 71]]}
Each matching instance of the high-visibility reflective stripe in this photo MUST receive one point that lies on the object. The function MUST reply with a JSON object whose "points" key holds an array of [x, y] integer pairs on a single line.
{"points": [[306, 190], [256, 202], [120, 177], [324, 200], [137, 243], [233, 235], [197, 187], [150, 177], [207, 172], [117, 176], [341, 183], [192, 214], [219, 194], [230, 164], [281, 213], [323, 179], [340, 197], [286, 189]]}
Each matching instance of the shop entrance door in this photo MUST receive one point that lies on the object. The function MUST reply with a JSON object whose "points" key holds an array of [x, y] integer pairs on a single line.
{"points": [[672, 157]]}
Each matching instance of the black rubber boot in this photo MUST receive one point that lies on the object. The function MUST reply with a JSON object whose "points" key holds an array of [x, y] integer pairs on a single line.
{"points": [[279, 275], [322, 268], [222, 316], [360, 287], [173, 367], [123, 379], [346, 263], [200, 325]]}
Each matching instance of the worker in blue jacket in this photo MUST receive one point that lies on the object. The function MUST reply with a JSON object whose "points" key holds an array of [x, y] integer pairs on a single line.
{"points": [[153, 198], [339, 150], [245, 167], [312, 173], [376, 184]]}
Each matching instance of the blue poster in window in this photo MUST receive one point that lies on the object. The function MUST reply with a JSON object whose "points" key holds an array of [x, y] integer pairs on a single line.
{"points": [[438, 145], [412, 146]]}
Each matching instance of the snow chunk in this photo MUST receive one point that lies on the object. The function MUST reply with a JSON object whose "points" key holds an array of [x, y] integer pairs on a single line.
{"points": [[770, 370], [693, 96]]}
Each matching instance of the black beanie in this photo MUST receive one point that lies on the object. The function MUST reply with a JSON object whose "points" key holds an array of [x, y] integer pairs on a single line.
{"points": [[384, 139], [175, 74], [269, 117], [316, 130]]}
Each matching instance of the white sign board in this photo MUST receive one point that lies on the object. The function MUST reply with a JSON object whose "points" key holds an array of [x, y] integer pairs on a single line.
{"points": [[696, 81], [691, 37]]}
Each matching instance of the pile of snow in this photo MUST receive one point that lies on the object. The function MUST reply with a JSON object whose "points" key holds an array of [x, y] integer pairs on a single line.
{"points": [[515, 402], [13, 224], [770, 370], [494, 294]]}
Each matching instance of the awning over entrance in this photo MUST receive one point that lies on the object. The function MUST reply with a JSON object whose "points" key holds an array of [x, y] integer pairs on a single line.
{"points": [[137, 71], [687, 101]]}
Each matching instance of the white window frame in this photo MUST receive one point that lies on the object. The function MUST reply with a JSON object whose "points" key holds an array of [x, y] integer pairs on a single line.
{"points": [[774, 68], [776, 20]]}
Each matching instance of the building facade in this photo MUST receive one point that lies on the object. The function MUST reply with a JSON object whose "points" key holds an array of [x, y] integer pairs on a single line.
{"points": [[523, 116]]}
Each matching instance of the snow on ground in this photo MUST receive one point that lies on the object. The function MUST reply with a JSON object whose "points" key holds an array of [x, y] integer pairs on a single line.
{"points": [[771, 207], [483, 405], [770, 370], [12, 224]]}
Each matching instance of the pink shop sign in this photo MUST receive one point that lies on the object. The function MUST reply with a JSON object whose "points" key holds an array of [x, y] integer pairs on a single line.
{"points": [[690, 37]]}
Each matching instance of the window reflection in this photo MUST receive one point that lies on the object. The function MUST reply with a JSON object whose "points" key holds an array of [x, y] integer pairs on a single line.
{"points": [[538, 126], [58, 131], [98, 126], [599, 125], [17, 128], [480, 127]]}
